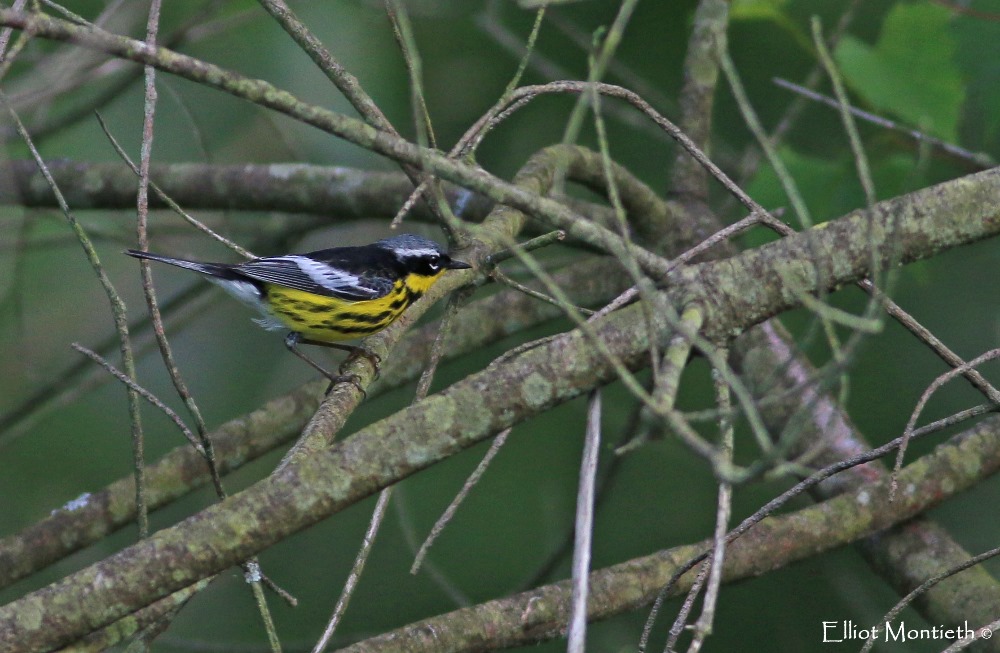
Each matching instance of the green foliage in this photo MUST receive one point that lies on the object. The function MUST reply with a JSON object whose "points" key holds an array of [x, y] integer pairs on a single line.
{"points": [[819, 180], [916, 62], [775, 11], [911, 71], [981, 79]]}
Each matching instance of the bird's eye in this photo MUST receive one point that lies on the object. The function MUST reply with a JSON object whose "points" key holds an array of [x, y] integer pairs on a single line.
{"points": [[434, 263]]}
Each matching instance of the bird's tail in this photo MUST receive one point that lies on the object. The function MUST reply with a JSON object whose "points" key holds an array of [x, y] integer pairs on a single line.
{"points": [[212, 269]]}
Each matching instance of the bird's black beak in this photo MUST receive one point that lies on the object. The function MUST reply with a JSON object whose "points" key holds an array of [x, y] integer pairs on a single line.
{"points": [[452, 264]]}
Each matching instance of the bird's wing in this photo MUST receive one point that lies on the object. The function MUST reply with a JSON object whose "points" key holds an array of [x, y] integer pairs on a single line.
{"points": [[309, 275]]}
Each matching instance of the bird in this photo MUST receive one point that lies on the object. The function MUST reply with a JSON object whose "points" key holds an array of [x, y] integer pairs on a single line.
{"points": [[330, 295]]}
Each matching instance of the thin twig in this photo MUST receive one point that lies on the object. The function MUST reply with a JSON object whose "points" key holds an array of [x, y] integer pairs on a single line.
{"points": [[403, 32], [924, 334], [374, 524], [724, 508], [144, 393], [982, 632], [720, 236], [682, 614], [584, 527], [815, 479], [344, 81], [919, 408], [529, 246], [418, 192], [531, 292], [621, 300], [166, 199], [598, 66], [645, 285], [149, 110], [861, 161], [253, 577], [378, 515], [923, 589], [118, 312], [668, 380], [981, 160], [452, 508]]}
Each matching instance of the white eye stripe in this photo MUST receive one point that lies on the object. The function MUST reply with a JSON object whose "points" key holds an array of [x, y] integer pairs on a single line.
{"points": [[415, 253]]}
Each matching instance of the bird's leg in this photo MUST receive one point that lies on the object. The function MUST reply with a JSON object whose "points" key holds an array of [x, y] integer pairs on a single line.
{"points": [[353, 353], [292, 341]]}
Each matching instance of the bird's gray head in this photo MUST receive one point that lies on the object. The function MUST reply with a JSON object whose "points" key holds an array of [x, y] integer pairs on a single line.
{"points": [[410, 246], [421, 255]]}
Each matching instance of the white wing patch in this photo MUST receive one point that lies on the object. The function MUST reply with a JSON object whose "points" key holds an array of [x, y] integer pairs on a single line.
{"points": [[310, 275], [328, 277]]}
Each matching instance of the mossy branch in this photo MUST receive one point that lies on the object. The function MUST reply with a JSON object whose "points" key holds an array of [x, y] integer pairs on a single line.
{"points": [[485, 403], [350, 129]]}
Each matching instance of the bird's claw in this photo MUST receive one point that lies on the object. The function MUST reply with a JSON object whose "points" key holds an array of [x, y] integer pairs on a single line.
{"points": [[353, 379], [372, 358]]}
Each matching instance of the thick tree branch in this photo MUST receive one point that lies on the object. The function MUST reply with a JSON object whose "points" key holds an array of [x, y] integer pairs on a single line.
{"points": [[541, 613], [512, 391], [817, 261], [241, 440], [763, 282], [697, 98], [906, 554], [289, 187], [525, 199]]}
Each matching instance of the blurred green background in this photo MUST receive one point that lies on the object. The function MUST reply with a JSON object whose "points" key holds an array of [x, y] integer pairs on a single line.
{"points": [[523, 508]]}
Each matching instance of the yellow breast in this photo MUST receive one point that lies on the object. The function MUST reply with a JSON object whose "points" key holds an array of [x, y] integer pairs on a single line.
{"points": [[329, 319]]}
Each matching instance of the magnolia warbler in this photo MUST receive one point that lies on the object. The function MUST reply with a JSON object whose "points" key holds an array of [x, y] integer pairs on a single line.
{"points": [[330, 295]]}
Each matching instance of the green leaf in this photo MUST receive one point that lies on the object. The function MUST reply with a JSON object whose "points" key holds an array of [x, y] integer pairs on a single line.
{"points": [[981, 122], [775, 11], [820, 182], [910, 72], [759, 10]]}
